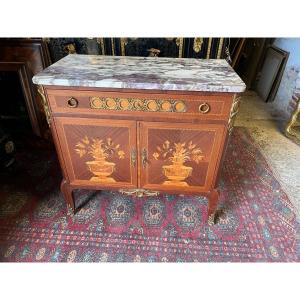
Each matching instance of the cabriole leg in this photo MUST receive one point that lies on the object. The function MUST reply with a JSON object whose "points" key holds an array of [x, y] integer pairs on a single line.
{"points": [[213, 200], [67, 192]]}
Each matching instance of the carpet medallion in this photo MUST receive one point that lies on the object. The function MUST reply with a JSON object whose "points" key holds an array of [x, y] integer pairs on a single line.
{"points": [[256, 220]]}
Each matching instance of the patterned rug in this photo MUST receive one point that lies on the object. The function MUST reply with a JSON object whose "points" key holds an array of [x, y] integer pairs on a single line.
{"points": [[256, 220]]}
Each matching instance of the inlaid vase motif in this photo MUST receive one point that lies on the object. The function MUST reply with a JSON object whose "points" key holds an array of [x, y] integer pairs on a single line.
{"points": [[178, 154], [102, 151]]}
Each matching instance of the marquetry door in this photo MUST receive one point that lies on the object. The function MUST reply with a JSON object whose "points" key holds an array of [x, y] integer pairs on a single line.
{"points": [[98, 152], [179, 157]]}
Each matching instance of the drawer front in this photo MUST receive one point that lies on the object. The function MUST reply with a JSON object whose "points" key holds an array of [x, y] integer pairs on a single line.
{"points": [[207, 106], [177, 157]]}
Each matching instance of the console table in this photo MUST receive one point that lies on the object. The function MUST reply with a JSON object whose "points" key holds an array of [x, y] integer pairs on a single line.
{"points": [[142, 126]]}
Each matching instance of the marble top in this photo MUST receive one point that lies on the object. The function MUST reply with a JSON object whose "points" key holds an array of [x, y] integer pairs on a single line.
{"points": [[155, 73]]}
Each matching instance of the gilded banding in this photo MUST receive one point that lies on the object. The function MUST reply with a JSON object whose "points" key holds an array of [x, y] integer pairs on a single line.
{"points": [[152, 105], [129, 104], [124, 104], [166, 106], [96, 102], [111, 103], [180, 106], [138, 104]]}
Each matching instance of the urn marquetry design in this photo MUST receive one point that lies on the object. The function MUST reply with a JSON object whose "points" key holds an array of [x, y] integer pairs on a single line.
{"points": [[178, 154], [101, 151]]}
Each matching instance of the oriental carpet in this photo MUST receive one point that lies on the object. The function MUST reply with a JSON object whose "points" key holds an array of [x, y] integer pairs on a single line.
{"points": [[256, 221]]}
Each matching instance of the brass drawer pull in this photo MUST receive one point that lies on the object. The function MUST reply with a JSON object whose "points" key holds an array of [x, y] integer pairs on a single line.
{"points": [[144, 158], [204, 108], [133, 157], [72, 102]]}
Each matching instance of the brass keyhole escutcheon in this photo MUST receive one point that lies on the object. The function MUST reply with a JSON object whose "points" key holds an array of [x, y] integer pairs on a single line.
{"points": [[204, 108], [72, 102], [144, 158], [133, 157]]}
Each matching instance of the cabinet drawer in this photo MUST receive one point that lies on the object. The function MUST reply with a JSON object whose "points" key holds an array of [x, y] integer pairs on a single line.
{"points": [[204, 106]]}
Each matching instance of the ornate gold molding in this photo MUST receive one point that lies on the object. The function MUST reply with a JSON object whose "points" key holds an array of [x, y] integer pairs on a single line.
{"points": [[197, 44], [70, 48], [220, 47], [153, 52], [100, 41], [208, 48], [233, 112], [289, 128], [45, 104], [139, 192], [112, 46], [137, 104], [179, 43], [123, 42]]}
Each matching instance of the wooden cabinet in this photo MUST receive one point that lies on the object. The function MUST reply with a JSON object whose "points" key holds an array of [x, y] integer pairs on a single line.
{"points": [[142, 126], [141, 143]]}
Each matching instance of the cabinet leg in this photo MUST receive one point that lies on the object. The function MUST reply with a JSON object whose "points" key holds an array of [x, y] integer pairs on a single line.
{"points": [[213, 200], [67, 192]]}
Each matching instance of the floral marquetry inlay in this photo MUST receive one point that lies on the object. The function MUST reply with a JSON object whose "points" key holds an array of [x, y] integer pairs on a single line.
{"points": [[178, 154], [131, 104], [102, 150]]}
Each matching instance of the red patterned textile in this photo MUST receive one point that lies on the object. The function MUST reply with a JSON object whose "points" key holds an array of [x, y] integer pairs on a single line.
{"points": [[257, 222]]}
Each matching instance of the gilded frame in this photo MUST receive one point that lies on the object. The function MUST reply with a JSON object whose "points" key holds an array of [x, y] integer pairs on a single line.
{"points": [[289, 131]]}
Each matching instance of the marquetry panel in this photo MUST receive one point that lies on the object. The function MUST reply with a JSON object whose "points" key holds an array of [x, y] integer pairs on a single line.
{"points": [[179, 157], [98, 152]]}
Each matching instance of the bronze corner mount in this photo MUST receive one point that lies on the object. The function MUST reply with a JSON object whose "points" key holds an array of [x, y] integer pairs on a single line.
{"points": [[233, 112], [41, 91]]}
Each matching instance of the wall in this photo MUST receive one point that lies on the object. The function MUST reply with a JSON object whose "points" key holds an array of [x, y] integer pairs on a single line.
{"points": [[291, 76]]}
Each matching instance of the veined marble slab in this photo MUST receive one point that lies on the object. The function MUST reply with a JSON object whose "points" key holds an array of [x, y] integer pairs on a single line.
{"points": [[154, 73]]}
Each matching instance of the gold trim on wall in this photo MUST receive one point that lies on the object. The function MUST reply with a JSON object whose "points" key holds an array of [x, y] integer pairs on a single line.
{"points": [[100, 41], [208, 48], [153, 52], [197, 44], [112, 46], [123, 42], [70, 48], [220, 47], [179, 43]]}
